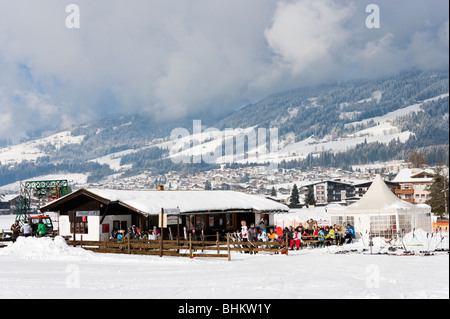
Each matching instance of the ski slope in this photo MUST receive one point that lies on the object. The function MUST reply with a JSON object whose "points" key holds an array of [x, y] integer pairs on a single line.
{"points": [[211, 143], [43, 268], [32, 150], [59, 272]]}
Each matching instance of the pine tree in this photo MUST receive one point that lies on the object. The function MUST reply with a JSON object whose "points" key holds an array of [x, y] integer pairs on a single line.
{"points": [[274, 192], [310, 199], [439, 195], [294, 195]]}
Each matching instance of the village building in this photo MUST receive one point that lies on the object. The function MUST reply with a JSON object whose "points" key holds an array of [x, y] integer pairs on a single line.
{"points": [[8, 204], [329, 191], [95, 213], [413, 184]]}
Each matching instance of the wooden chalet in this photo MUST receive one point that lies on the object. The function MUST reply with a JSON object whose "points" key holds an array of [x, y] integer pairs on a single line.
{"points": [[95, 213]]}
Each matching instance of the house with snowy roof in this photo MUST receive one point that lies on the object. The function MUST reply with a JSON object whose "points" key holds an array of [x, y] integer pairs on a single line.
{"points": [[8, 203], [413, 184], [95, 213]]}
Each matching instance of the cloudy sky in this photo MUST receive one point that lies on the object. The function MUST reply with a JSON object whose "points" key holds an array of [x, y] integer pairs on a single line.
{"points": [[183, 57]]}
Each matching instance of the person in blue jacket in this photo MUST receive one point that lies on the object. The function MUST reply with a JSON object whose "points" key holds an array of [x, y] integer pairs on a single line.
{"points": [[321, 237], [349, 233]]}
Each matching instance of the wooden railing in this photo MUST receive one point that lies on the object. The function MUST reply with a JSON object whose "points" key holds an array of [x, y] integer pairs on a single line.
{"points": [[179, 248], [189, 248]]}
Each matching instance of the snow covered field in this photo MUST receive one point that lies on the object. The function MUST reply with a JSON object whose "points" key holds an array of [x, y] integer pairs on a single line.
{"points": [[43, 268]]}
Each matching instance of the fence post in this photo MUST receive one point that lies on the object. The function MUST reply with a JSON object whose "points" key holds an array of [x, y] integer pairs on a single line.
{"points": [[161, 243], [190, 245], [228, 246], [287, 245], [218, 248], [128, 242]]}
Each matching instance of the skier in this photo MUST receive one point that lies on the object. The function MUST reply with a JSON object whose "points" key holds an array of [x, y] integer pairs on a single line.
{"points": [[252, 233], [151, 235], [262, 225], [244, 232], [297, 239], [280, 235], [349, 233], [194, 235], [262, 236], [289, 234], [42, 229], [330, 234], [119, 236], [26, 229], [310, 227], [15, 228], [338, 236], [157, 232], [272, 236], [321, 235]]}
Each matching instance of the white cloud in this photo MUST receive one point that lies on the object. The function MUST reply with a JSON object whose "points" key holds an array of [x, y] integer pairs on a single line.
{"points": [[177, 58], [444, 34], [306, 33], [325, 41]]}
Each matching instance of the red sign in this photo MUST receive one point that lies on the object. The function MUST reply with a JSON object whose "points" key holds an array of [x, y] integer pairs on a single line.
{"points": [[105, 228]]}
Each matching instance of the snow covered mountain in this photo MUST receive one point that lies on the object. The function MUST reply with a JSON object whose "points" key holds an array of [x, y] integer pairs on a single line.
{"points": [[383, 116]]}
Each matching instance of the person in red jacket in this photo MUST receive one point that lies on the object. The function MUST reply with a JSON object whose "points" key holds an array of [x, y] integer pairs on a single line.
{"points": [[297, 239], [316, 231]]}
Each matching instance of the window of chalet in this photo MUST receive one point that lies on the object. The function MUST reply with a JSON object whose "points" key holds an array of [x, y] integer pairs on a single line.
{"points": [[79, 227], [230, 221]]}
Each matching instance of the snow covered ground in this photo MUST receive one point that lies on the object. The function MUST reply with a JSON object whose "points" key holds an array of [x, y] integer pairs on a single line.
{"points": [[31, 151], [43, 268]]}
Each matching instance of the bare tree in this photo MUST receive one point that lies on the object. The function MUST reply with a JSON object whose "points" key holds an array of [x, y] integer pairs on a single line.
{"points": [[417, 159]]}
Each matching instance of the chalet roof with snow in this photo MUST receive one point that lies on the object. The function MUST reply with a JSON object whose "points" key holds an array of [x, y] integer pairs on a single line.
{"points": [[151, 202], [414, 175]]}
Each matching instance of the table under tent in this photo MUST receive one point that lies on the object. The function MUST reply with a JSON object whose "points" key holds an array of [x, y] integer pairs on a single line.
{"points": [[382, 214]]}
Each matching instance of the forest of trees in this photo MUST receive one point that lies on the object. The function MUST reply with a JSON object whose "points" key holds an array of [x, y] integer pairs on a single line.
{"points": [[27, 170]]}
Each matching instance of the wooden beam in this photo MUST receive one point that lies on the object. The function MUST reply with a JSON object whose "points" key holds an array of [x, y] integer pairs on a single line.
{"points": [[105, 212]]}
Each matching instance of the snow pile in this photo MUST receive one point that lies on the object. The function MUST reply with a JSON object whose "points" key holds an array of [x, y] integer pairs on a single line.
{"points": [[44, 249]]}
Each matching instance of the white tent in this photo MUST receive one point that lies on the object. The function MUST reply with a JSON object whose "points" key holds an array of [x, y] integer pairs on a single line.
{"points": [[381, 213]]}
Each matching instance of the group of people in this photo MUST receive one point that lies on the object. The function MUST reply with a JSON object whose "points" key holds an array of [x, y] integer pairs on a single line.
{"points": [[253, 234], [26, 230], [323, 235], [134, 232]]}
